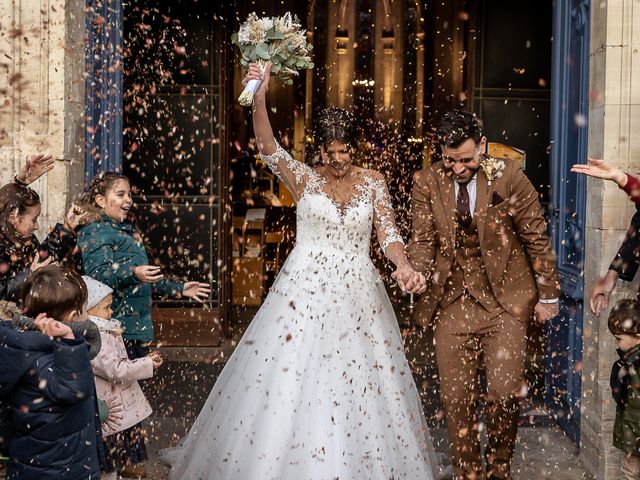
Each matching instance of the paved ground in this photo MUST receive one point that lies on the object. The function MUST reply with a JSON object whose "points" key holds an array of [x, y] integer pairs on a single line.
{"points": [[177, 394], [541, 453]]}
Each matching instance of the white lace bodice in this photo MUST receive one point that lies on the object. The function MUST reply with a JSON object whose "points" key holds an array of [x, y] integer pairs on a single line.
{"points": [[324, 223]]}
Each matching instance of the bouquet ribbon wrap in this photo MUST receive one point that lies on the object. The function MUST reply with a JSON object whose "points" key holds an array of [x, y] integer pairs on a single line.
{"points": [[246, 97]]}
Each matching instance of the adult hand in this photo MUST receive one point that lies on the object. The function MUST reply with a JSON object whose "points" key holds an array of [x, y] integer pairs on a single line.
{"points": [[601, 293], [546, 311], [75, 217], [600, 169], [116, 412], [53, 328], [197, 291], [40, 262], [35, 166], [255, 72], [409, 280], [148, 273]]}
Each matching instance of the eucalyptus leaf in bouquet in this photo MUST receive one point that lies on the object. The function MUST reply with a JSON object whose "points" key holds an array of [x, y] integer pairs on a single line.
{"points": [[279, 40]]}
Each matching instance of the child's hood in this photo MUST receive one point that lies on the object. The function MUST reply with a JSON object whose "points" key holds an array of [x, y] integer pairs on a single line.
{"points": [[112, 325]]}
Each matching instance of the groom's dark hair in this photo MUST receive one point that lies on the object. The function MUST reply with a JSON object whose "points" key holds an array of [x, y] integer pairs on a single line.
{"points": [[457, 126]]}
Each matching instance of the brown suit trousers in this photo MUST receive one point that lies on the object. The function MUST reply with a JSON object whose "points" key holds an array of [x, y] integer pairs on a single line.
{"points": [[495, 342]]}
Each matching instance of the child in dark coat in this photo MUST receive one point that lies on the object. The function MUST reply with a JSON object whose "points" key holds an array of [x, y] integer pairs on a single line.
{"points": [[47, 381], [624, 324]]}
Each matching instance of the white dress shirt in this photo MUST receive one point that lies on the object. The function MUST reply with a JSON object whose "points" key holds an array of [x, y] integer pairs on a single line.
{"points": [[471, 188]]}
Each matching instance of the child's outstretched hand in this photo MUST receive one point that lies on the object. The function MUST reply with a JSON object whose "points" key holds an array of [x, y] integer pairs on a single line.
{"points": [[148, 274], [114, 420], [197, 291], [53, 328], [75, 217], [156, 358], [35, 166]]}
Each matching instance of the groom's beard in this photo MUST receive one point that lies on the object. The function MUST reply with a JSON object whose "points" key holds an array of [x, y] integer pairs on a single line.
{"points": [[465, 177]]}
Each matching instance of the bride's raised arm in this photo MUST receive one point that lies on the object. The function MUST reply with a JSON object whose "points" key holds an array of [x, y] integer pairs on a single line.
{"points": [[294, 174]]}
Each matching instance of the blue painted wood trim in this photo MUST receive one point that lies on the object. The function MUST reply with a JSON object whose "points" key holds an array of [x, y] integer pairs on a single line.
{"points": [[103, 110], [569, 134]]}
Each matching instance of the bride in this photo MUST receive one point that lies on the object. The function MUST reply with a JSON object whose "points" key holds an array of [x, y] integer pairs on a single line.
{"points": [[319, 387]]}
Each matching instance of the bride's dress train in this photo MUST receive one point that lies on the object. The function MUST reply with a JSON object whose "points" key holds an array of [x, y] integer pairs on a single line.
{"points": [[319, 387]]}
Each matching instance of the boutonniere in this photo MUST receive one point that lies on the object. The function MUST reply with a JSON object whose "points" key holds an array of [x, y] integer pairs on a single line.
{"points": [[493, 168]]}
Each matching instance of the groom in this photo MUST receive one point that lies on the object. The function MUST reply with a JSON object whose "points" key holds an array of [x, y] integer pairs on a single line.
{"points": [[480, 239]]}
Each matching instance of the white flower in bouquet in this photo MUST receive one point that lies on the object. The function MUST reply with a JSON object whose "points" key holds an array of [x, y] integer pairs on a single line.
{"points": [[279, 40]]}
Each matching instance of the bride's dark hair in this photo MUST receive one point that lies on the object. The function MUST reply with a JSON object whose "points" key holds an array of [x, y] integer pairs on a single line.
{"points": [[336, 124]]}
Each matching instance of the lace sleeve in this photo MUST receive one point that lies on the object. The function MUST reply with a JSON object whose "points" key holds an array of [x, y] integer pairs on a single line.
{"points": [[292, 173], [383, 215]]}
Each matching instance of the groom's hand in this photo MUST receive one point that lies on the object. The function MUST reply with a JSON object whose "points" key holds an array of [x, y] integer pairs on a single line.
{"points": [[416, 284], [409, 280]]}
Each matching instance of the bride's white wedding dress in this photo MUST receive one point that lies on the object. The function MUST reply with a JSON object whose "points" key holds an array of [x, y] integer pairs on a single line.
{"points": [[319, 386]]}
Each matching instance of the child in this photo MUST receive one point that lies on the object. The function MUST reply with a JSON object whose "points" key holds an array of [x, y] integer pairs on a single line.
{"points": [[112, 253], [624, 324], [48, 383], [116, 376], [20, 251]]}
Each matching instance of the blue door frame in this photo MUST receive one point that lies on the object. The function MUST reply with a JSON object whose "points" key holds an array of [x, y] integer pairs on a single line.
{"points": [[103, 102], [569, 129]]}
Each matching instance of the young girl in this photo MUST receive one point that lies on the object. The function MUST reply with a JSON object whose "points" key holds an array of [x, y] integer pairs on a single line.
{"points": [[20, 251], [49, 383], [113, 253], [116, 376]]}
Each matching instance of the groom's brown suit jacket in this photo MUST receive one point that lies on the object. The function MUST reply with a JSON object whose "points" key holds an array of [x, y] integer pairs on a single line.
{"points": [[516, 251]]}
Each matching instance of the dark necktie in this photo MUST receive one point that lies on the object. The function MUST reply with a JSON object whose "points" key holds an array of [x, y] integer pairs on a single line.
{"points": [[463, 212]]}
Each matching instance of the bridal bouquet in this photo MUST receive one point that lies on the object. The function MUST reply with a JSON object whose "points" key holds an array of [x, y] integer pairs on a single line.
{"points": [[279, 40]]}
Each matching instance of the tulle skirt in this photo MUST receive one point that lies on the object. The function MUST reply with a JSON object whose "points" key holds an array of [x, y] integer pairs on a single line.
{"points": [[318, 388]]}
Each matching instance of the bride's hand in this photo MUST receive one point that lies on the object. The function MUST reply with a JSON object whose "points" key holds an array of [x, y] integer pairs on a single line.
{"points": [[255, 73], [409, 280]]}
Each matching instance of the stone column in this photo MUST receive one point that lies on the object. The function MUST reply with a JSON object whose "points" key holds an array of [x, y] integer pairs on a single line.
{"points": [[340, 54], [42, 62], [614, 134]]}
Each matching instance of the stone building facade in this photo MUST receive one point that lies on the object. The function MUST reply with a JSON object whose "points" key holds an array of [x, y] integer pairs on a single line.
{"points": [[42, 108]]}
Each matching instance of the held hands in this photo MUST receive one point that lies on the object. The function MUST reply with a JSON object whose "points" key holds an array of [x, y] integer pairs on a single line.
{"points": [[35, 167], [600, 169], [52, 328], [601, 293], [156, 358], [197, 291], [116, 412], [409, 280], [148, 273], [255, 73], [546, 311]]}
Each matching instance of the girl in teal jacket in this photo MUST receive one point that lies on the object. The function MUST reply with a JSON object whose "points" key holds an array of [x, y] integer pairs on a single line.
{"points": [[113, 253]]}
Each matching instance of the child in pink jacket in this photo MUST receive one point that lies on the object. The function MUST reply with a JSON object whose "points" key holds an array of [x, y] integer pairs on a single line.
{"points": [[117, 376]]}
